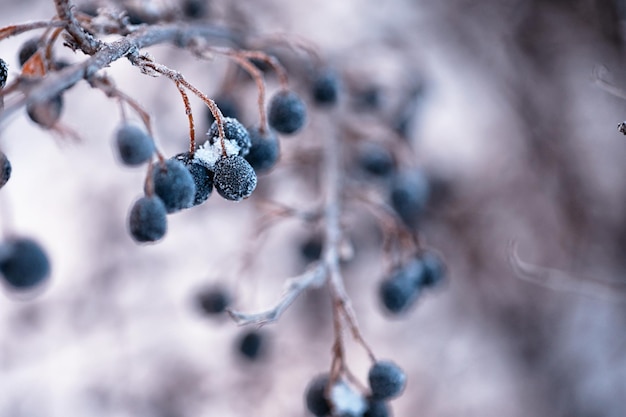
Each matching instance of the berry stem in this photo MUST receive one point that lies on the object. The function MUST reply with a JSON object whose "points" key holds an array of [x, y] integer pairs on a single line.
{"points": [[14, 30], [192, 131]]}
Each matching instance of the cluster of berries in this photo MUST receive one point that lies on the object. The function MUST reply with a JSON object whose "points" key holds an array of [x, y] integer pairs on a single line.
{"points": [[251, 345], [386, 381]]}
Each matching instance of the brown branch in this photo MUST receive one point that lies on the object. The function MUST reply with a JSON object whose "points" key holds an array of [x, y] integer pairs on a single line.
{"points": [[14, 30]]}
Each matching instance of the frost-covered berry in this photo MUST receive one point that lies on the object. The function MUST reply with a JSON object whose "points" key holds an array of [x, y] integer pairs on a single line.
{"points": [[376, 408], [134, 145], [5, 169], [287, 112], [375, 159], [46, 113], [386, 380], [234, 178], [227, 105], [4, 73], [27, 50], [174, 184], [264, 150], [251, 345], [233, 131], [325, 88], [202, 177], [409, 194], [213, 301], [23, 263], [148, 219], [315, 396]]}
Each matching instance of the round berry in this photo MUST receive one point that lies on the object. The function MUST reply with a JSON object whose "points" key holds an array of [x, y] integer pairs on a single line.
{"points": [[23, 263], [46, 113], [434, 269], [195, 9], [252, 345], [4, 73], [386, 380], [409, 194], [174, 184], [5, 169], [148, 219], [325, 88], [376, 160], [287, 112], [315, 396], [233, 131], [227, 105], [264, 150], [397, 294], [376, 408], [134, 145], [202, 177], [311, 249], [213, 301], [27, 50], [234, 178]]}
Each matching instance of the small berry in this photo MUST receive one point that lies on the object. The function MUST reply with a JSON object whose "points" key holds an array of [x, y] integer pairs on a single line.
{"points": [[397, 294], [386, 380], [4, 73], [27, 50], [23, 263], [234, 178], [233, 131], [213, 300], [202, 177], [148, 219], [195, 9], [287, 112], [46, 113], [252, 345], [264, 150], [376, 408], [311, 249], [5, 169], [409, 194], [434, 269], [325, 88], [134, 145], [174, 184], [370, 98], [315, 396], [375, 159], [227, 105]]}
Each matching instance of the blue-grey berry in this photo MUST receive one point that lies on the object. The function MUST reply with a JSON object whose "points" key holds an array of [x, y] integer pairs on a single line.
{"points": [[434, 269], [287, 112], [174, 184], [376, 408], [386, 380], [315, 396], [234, 178], [213, 300], [23, 263], [409, 194], [252, 345], [376, 159], [325, 88], [5, 169], [233, 131], [264, 150], [202, 177], [148, 219], [27, 50], [134, 145]]}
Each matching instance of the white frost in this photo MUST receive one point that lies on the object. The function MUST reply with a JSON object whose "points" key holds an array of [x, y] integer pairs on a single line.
{"points": [[208, 154], [346, 400]]}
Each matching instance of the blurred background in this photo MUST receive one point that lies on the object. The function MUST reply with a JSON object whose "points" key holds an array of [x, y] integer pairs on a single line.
{"points": [[511, 125]]}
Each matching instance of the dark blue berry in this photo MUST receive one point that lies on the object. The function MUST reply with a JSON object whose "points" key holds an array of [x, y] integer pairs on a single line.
{"points": [[27, 50], [23, 263], [46, 113], [227, 105], [213, 300], [134, 145], [397, 294], [434, 269], [195, 9], [252, 345], [325, 88], [376, 408], [375, 159], [148, 219], [287, 112], [174, 184], [315, 396], [409, 194], [264, 150], [202, 177], [233, 131], [234, 178], [386, 380], [4, 73], [311, 249], [5, 169]]}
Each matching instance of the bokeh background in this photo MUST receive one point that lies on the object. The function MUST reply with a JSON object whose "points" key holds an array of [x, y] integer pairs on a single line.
{"points": [[513, 127]]}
